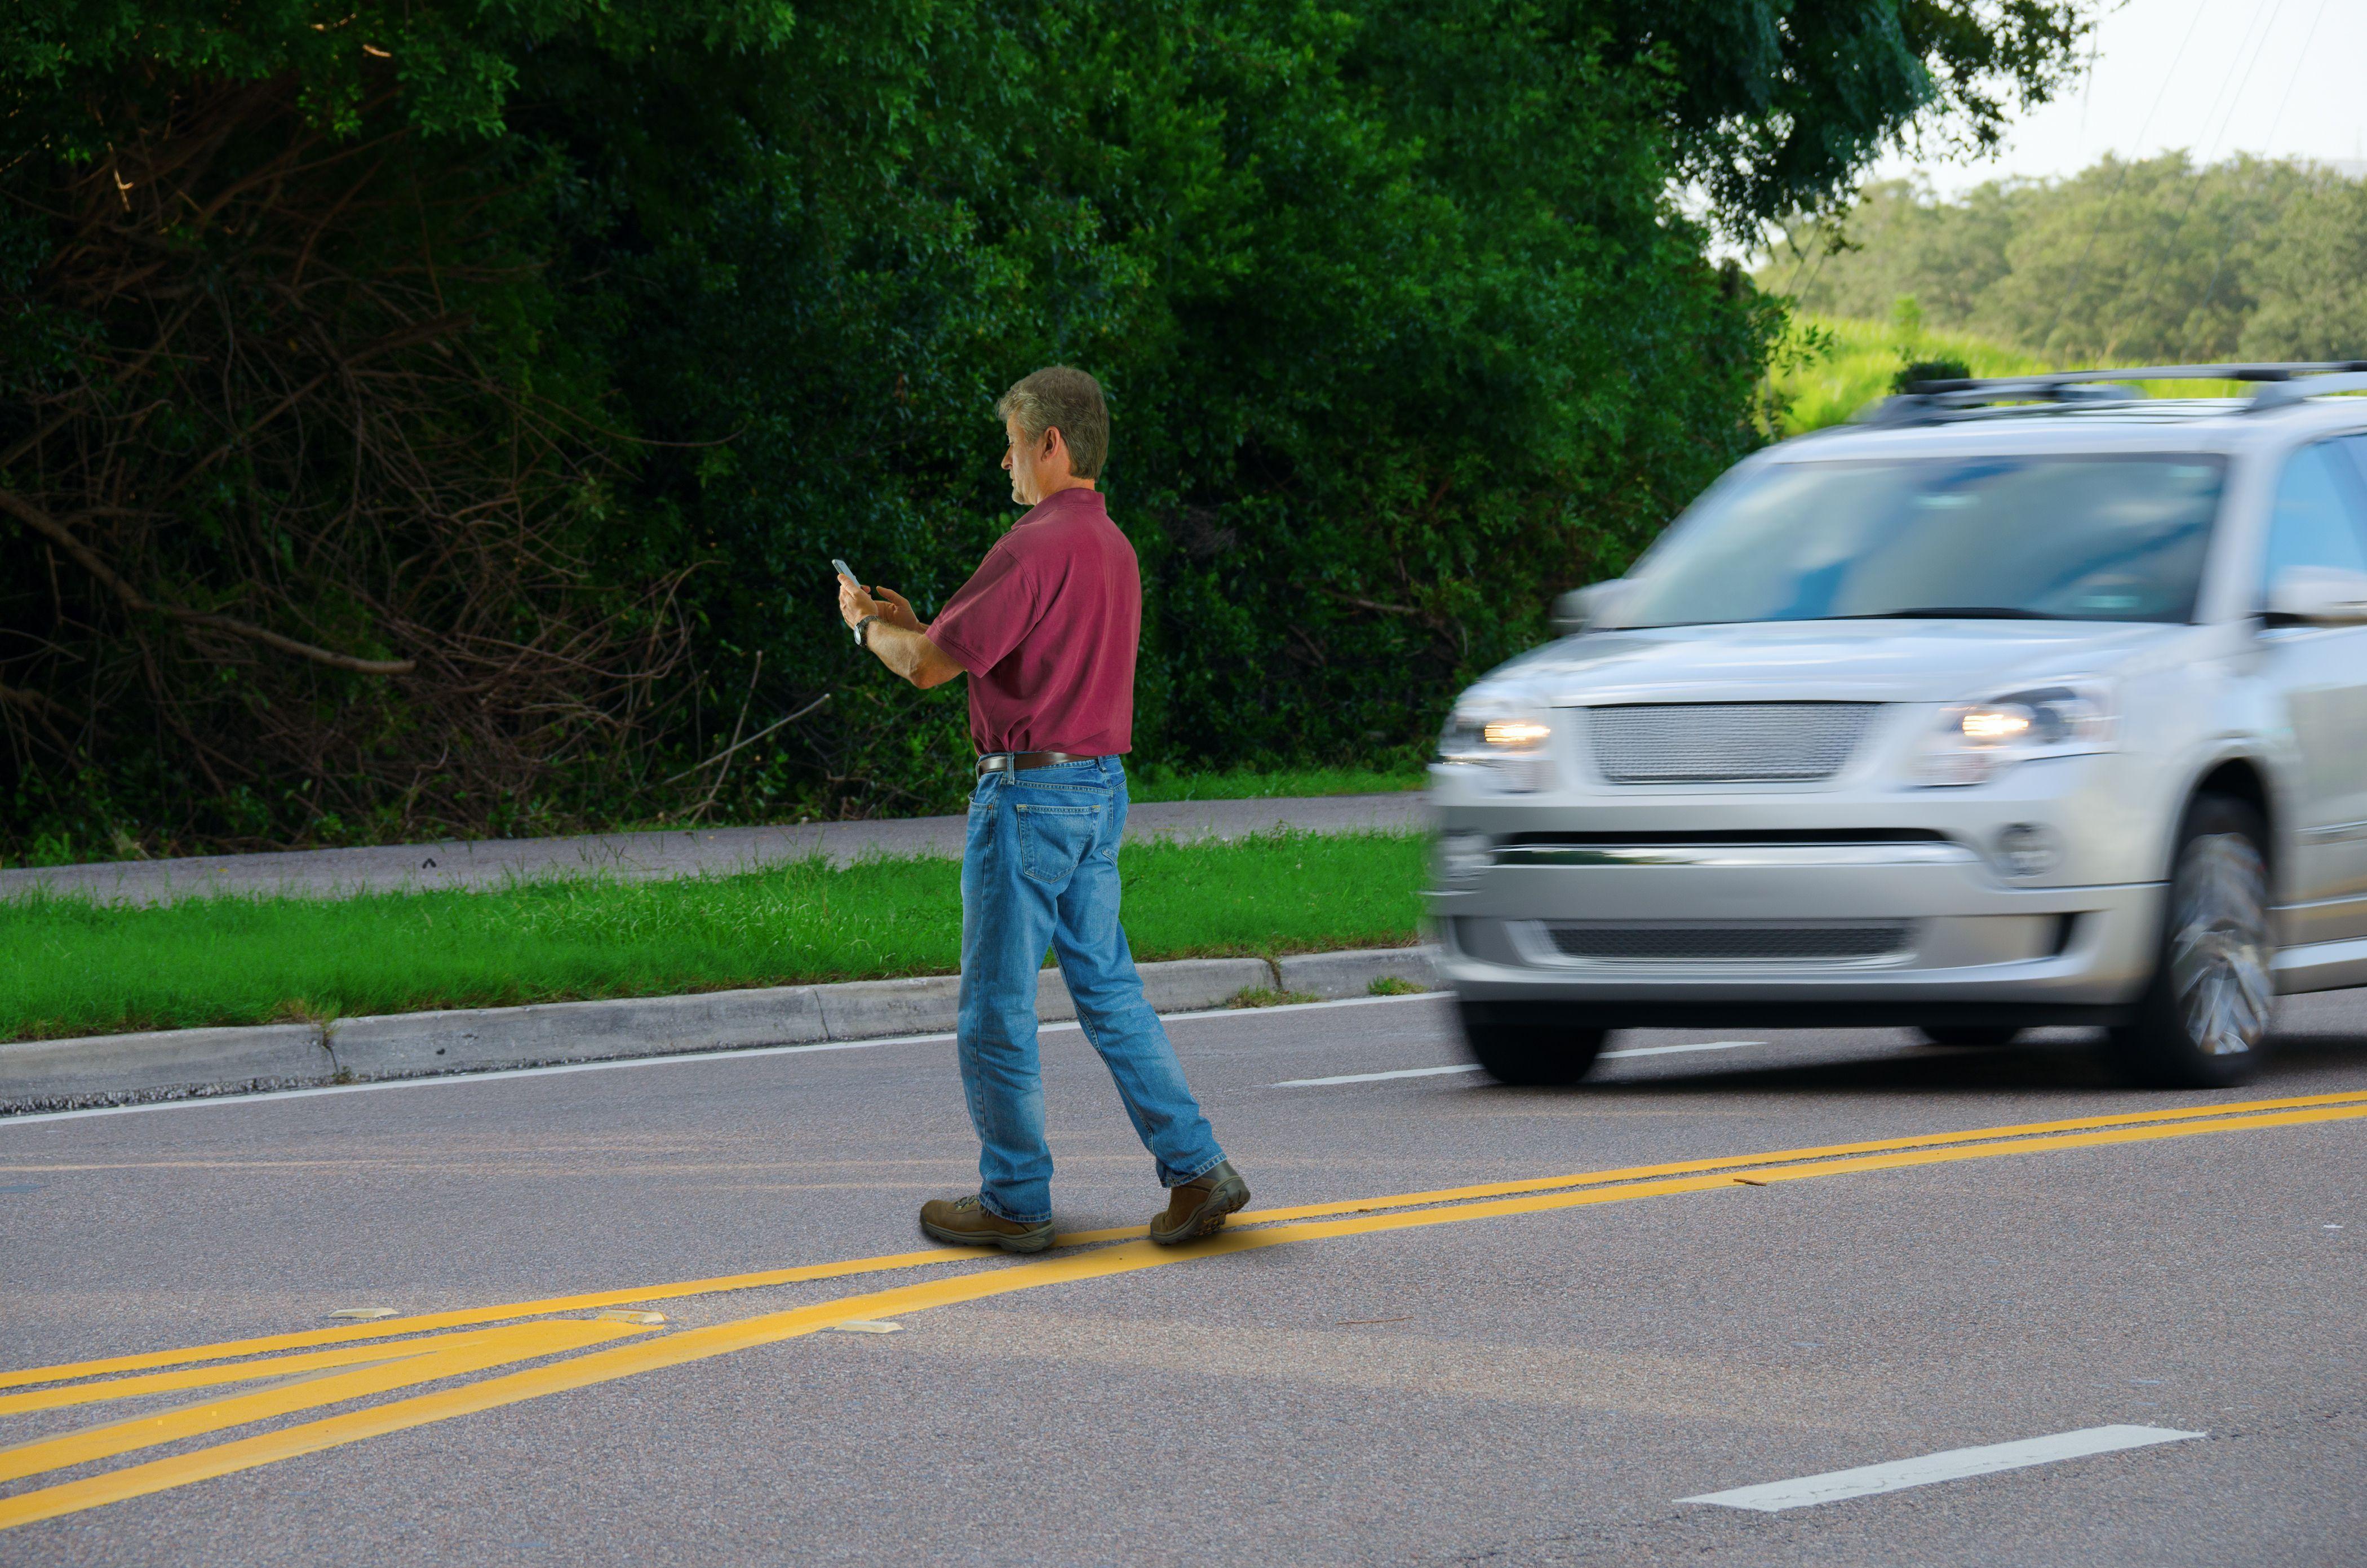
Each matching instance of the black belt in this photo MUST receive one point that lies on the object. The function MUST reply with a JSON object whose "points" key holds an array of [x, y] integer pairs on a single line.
{"points": [[1012, 761]]}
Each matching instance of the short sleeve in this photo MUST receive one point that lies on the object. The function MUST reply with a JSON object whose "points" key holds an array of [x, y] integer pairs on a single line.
{"points": [[989, 614]]}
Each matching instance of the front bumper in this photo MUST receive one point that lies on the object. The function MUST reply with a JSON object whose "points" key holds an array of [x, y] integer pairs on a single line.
{"points": [[1967, 946]]}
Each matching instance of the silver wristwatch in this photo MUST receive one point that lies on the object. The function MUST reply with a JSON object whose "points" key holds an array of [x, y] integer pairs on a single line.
{"points": [[861, 627]]}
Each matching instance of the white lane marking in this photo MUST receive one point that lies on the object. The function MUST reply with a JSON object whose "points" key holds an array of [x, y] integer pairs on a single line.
{"points": [[1953, 1465], [1667, 1050], [1474, 1067], [1376, 1077], [445, 1080]]}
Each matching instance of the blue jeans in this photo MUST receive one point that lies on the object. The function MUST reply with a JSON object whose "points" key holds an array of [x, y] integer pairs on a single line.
{"points": [[1041, 867]]}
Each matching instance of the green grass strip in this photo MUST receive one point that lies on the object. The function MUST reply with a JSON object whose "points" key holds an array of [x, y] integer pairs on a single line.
{"points": [[1156, 782], [70, 966]]}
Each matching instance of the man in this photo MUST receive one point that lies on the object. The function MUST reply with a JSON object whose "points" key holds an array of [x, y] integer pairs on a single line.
{"points": [[1046, 631]]}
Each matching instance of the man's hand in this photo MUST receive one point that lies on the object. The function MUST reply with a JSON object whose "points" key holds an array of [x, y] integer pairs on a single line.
{"points": [[854, 604], [895, 609], [896, 636]]}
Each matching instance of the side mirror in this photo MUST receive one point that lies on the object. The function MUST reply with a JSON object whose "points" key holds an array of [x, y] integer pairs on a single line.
{"points": [[1580, 607], [2318, 596]]}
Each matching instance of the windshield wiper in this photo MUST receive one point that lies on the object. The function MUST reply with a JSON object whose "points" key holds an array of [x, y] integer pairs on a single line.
{"points": [[1950, 612]]}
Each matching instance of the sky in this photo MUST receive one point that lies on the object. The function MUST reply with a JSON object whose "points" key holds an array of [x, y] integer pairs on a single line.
{"points": [[2287, 78]]}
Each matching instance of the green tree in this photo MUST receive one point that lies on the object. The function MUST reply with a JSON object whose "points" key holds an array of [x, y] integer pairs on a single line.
{"points": [[1779, 103], [664, 306], [2312, 282], [1402, 332], [308, 493], [2150, 260]]}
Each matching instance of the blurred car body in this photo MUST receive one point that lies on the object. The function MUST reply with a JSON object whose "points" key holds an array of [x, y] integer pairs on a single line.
{"points": [[1982, 715]]}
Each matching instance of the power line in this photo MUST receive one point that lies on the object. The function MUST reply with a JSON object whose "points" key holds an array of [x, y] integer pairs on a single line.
{"points": [[2195, 190], [2300, 60], [2267, 142], [2079, 274], [2268, 15]]}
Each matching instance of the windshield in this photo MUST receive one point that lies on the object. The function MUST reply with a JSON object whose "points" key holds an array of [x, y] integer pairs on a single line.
{"points": [[2068, 537]]}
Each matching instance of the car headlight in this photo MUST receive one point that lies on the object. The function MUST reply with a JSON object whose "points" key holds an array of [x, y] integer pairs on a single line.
{"points": [[1510, 741], [1977, 741]]}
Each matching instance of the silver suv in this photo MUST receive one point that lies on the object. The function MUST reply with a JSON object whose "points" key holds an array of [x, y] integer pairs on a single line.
{"points": [[2011, 704]]}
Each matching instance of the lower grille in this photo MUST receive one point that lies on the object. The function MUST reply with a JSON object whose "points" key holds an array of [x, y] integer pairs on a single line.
{"points": [[1733, 944], [1726, 742]]}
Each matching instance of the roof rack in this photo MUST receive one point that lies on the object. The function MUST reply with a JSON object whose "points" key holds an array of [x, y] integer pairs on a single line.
{"points": [[2283, 385]]}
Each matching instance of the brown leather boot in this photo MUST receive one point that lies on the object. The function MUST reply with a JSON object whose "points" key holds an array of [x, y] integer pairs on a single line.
{"points": [[1198, 1207], [966, 1222]]}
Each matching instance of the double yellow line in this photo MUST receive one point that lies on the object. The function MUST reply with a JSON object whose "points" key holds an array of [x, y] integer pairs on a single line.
{"points": [[1250, 1230]]}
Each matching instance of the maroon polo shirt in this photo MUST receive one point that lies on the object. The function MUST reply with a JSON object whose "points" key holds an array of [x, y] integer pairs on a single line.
{"points": [[1046, 628]]}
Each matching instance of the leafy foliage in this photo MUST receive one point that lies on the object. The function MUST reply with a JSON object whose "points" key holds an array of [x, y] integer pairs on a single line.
{"points": [[1779, 102], [1386, 365], [1402, 328], [2128, 262]]}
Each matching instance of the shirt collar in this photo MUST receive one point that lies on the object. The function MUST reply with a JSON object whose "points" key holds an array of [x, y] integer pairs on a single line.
{"points": [[1064, 501]]}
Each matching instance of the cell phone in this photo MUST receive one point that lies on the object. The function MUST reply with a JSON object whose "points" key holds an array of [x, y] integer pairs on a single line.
{"points": [[845, 571]]}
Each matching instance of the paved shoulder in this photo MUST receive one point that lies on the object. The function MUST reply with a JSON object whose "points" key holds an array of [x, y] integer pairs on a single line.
{"points": [[466, 863]]}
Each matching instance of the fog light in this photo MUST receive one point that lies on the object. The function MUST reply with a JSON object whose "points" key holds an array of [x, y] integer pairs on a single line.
{"points": [[2026, 849], [1463, 855]]}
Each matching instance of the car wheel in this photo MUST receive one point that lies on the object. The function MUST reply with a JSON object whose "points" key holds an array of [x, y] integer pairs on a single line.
{"points": [[2203, 1022], [1529, 1042], [1969, 1034]]}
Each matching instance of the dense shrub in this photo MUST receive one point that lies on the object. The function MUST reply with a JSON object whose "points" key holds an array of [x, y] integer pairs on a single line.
{"points": [[1402, 328]]}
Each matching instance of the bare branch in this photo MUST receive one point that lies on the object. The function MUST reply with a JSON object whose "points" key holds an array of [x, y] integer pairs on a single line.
{"points": [[751, 741], [40, 522]]}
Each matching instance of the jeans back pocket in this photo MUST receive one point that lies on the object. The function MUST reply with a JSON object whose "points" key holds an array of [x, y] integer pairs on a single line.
{"points": [[1053, 839]]}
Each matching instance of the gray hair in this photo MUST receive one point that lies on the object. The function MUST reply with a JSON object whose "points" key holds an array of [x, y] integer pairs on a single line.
{"points": [[1063, 398]]}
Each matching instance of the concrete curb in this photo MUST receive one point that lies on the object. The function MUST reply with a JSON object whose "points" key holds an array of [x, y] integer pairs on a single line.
{"points": [[1356, 974], [44, 1074], [66, 1074]]}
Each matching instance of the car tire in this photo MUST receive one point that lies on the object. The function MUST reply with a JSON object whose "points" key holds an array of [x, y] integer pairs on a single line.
{"points": [[1969, 1034], [2203, 1020], [1532, 1044]]}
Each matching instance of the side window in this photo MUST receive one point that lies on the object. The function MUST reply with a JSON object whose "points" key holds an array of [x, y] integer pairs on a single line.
{"points": [[2357, 446], [2318, 519]]}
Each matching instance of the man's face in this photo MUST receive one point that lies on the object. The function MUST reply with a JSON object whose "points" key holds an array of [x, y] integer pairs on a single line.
{"points": [[1025, 461]]}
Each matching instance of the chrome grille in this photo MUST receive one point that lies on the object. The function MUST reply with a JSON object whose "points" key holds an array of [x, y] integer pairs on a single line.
{"points": [[1697, 943], [1726, 742]]}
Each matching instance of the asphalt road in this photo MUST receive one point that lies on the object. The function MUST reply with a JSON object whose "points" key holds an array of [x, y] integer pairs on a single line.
{"points": [[655, 854], [1539, 1375]]}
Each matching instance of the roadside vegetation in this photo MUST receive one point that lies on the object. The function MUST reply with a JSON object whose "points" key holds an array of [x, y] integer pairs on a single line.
{"points": [[1834, 366], [433, 418], [1146, 782], [70, 966], [2156, 261]]}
